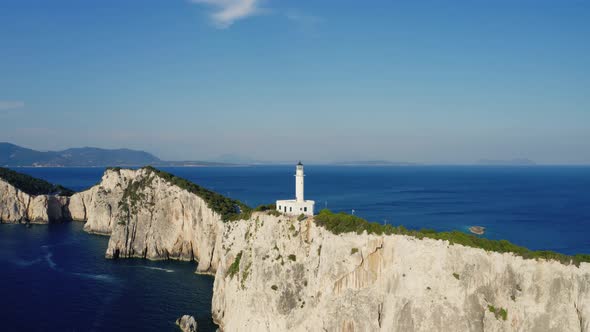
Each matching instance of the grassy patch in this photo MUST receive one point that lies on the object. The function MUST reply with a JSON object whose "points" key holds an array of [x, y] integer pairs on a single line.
{"points": [[354, 251], [234, 268], [498, 312], [31, 185], [292, 257], [456, 275], [339, 223]]}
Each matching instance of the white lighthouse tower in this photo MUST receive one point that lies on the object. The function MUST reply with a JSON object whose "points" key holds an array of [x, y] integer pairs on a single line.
{"points": [[299, 183], [298, 205]]}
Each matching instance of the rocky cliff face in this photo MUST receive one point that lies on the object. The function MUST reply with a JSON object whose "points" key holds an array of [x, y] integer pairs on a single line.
{"points": [[275, 273], [294, 275], [148, 217], [17, 206]]}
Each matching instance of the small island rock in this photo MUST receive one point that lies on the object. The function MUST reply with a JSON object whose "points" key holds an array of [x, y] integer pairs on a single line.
{"points": [[187, 323], [479, 230]]}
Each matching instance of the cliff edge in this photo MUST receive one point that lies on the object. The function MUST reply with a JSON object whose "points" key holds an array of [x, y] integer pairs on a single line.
{"points": [[279, 274]]}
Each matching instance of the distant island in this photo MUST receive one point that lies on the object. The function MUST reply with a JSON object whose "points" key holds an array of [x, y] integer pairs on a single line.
{"points": [[508, 162], [373, 163], [12, 155]]}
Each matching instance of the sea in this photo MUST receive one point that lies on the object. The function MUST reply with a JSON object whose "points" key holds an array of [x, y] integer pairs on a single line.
{"points": [[55, 277]]}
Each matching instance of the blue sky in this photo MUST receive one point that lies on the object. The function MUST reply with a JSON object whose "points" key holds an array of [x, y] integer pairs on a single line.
{"points": [[422, 81]]}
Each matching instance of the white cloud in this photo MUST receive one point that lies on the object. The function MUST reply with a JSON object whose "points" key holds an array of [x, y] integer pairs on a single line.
{"points": [[228, 11], [10, 105]]}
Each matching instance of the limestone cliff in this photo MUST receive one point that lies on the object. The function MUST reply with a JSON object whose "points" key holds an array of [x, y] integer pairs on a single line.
{"points": [[16, 206], [278, 273], [148, 217]]}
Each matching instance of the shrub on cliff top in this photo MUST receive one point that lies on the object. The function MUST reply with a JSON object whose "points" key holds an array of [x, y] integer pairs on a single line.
{"points": [[338, 223], [266, 207], [31, 185]]}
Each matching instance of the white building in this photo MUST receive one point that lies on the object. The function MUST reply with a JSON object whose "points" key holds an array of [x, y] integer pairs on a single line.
{"points": [[298, 205]]}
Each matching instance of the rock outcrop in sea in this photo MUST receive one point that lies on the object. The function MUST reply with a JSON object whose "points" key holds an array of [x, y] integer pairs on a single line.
{"points": [[187, 323], [278, 273]]}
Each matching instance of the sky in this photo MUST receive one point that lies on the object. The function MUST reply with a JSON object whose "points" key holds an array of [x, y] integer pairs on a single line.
{"points": [[436, 82]]}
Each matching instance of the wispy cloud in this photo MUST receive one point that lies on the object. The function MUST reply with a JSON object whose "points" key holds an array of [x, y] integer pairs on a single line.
{"points": [[228, 11], [11, 105], [305, 21]]}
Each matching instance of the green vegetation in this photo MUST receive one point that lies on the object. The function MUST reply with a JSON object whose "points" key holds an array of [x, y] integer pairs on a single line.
{"points": [[245, 275], [354, 251], [274, 287], [133, 195], [266, 207], [301, 217], [456, 275], [31, 185], [235, 266], [339, 223], [229, 209], [498, 313], [292, 257]]}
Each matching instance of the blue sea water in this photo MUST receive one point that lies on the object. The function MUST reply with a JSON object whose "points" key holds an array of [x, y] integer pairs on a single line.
{"points": [[55, 278]]}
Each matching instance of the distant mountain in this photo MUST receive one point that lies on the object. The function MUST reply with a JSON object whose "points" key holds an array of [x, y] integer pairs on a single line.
{"points": [[508, 162], [14, 155], [373, 163]]}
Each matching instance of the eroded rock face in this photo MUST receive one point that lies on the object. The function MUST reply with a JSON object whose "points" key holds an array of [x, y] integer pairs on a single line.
{"points": [[17, 206], [187, 323], [147, 217], [296, 276]]}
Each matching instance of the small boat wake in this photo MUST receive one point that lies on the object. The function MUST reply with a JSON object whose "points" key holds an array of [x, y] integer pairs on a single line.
{"points": [[157, 269], [99, 277]]}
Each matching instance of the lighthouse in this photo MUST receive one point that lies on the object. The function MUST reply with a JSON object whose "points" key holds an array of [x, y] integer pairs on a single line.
{"points": [[299, 183], [299, 205]]}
